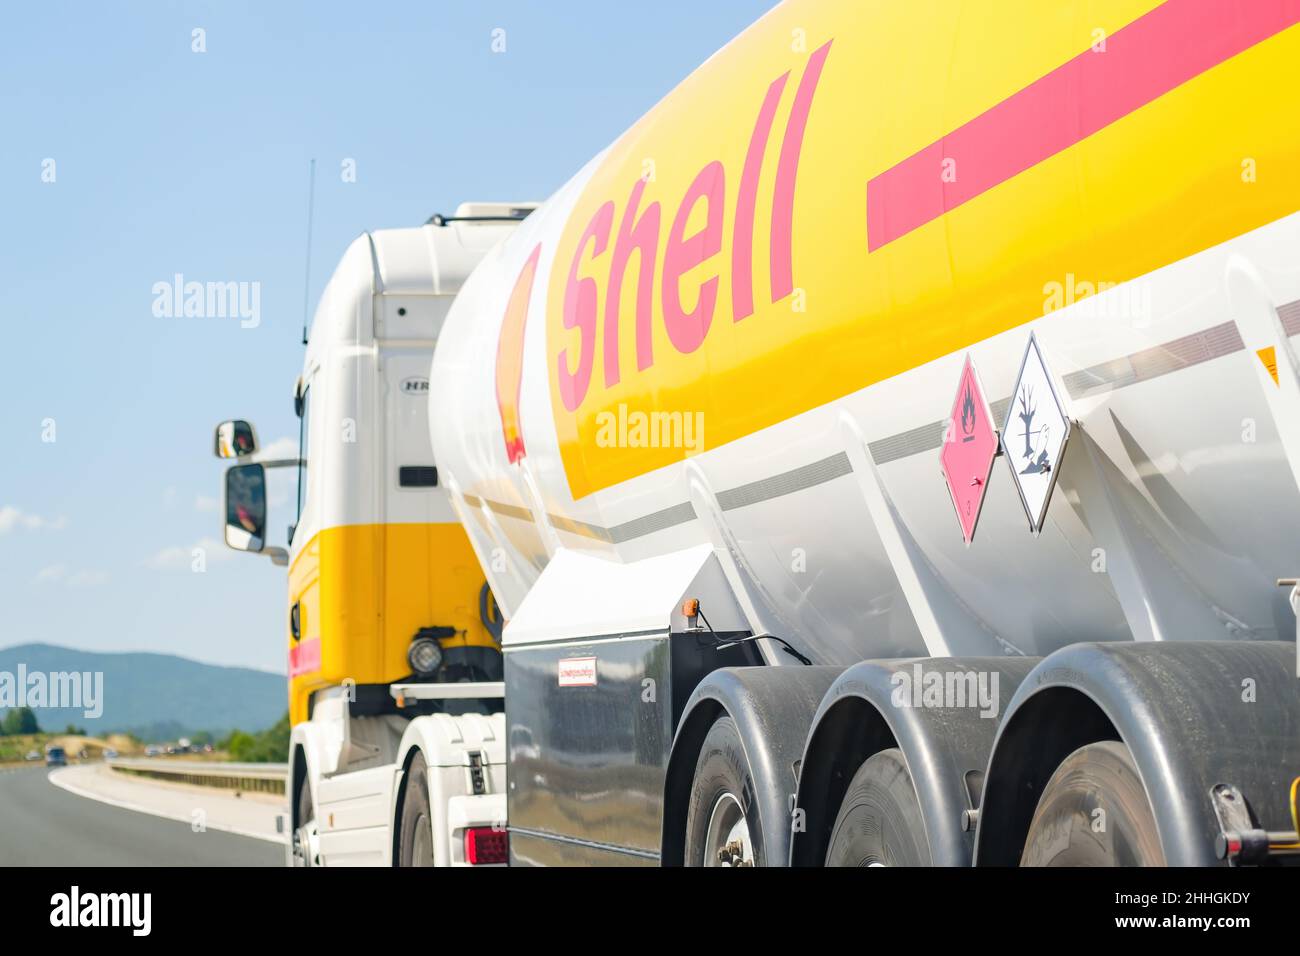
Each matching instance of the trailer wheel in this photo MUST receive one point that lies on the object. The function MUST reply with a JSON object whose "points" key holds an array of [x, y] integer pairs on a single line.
{"points": [[722, 826], [306, 836], [415, 847], [1094, 812], [880, 823]]}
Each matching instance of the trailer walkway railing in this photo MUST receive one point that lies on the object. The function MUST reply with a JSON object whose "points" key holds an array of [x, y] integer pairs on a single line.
{"points": [[244, 777]]}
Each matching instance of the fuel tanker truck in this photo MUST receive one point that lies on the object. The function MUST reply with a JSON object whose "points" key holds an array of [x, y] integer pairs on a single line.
{"points": [[887, 451]]}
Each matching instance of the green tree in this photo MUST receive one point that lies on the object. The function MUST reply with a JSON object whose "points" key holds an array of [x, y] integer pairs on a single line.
{"points": [[21, 720], [268, 746], [239, 744], [273, 743]]}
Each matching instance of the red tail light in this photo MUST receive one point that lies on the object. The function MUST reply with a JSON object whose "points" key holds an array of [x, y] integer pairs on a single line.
{"points": [[486, 845]]}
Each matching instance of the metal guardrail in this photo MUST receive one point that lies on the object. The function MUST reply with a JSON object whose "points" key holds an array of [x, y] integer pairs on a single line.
{"points": [[244, 777]]}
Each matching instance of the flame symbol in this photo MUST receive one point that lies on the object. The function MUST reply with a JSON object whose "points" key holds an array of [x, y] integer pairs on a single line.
{"points": [[968, 412]]}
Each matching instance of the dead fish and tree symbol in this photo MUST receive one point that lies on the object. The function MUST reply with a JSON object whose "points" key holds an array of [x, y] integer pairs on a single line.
{"points": [[1036, 439]]}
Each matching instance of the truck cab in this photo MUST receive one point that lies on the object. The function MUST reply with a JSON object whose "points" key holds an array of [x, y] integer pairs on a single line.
{"points": [[391, 633]]}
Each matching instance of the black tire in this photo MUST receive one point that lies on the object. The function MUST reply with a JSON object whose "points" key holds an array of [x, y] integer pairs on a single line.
{"points": [[880, 823], [415, 836], [1067, 829], [306, 814], [722, 772]]}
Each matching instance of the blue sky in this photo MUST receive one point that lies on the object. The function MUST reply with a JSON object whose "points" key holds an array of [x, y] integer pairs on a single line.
{"points": [[171, 161]]}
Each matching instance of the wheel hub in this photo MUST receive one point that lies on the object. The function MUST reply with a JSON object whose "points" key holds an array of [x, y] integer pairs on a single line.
{"points": [[728, 841], [306, 845]]}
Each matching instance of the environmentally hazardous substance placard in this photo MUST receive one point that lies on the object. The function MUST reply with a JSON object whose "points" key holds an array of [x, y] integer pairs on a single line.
{"points": [[970, 444], [1035, 434]]}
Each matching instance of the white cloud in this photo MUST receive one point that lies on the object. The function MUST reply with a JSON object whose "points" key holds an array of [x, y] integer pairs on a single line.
{"points": [[11, 518], [204, 503], [88, 579], [281, 489], [280, 448], [55, 572], [181, 558], [77, 579], [169, 559]]}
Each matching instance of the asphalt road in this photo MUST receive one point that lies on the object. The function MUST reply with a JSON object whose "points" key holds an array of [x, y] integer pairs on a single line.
{"points": [[43, 825]]}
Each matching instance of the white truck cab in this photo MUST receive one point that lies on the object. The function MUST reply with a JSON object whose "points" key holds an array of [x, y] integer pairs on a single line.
{"points": [[396, 754]]}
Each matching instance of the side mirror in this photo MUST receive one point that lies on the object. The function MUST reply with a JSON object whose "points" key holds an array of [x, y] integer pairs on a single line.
{"points": [[246, 508], [235, 439]]}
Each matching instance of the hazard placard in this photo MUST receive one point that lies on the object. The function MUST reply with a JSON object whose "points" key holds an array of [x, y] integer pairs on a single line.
{"points": [[970, 443], [1035, 433]]}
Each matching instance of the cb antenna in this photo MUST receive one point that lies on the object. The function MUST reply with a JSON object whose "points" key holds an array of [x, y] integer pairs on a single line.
{"points": [[306, 282]]}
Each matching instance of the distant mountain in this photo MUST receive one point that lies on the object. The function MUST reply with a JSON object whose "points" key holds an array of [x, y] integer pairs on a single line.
{"points": [[155, 696]]}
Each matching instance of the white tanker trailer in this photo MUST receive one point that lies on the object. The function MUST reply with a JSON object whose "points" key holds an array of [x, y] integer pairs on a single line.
{"points": [[775, 590]]}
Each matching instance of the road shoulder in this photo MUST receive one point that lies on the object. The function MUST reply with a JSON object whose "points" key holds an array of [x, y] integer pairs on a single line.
{"points": [[248, 815]]}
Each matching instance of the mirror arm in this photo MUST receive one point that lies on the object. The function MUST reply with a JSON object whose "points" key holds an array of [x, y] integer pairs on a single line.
{"points": [[278, 462], [279, 556]]}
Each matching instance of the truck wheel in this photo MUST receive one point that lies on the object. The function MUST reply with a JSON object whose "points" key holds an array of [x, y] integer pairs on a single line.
{"points": [[722, 825], [1094, 812], [879, 823], [416, 845], [306, 837]]}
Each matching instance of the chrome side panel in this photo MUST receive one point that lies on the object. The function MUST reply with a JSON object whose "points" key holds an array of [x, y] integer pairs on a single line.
{"points": [[587, 762]]}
